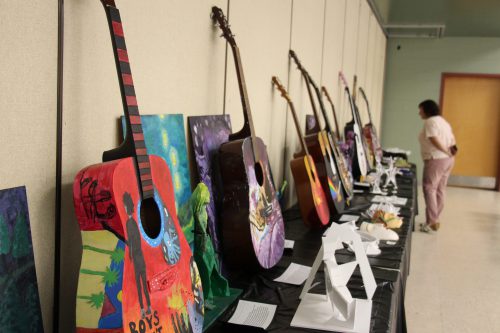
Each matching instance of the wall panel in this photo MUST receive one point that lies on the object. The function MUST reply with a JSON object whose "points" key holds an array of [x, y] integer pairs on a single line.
{"points": [[179, 65], [307, 42], [352, 16], [27, 129], [333, 49]]}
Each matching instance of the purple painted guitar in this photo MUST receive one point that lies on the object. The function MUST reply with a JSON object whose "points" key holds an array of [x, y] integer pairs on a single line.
{"points": [[252, 224]]}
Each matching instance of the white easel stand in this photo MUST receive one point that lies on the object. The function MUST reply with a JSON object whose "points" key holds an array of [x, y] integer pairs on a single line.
{"points": [[337, 311]]}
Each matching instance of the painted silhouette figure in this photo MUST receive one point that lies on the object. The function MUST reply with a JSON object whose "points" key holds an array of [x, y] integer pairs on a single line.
{"points": [[135, 253]]}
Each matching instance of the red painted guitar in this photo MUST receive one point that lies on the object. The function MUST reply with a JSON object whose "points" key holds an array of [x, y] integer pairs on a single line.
{"points": [[312, 201], [137, 272]]}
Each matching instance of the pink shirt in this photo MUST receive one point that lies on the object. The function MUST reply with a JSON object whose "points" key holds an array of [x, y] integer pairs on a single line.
{"points": [[437, 127]]}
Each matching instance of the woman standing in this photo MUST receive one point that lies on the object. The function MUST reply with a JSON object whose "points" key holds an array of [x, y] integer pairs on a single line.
{"points": [[438, 147]]}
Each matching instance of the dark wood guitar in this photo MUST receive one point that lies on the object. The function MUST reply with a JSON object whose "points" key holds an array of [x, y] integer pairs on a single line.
{"points": [[137, 269], [370, 132], [352, 131], [312, 201], [252, 224], [321, 150]]}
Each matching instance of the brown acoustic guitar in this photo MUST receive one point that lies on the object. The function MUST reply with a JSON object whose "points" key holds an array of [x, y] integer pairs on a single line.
{"points": [[312, 201], [321, 150], [252, 223]]}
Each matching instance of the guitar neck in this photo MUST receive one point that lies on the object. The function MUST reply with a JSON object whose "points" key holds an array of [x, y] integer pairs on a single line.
{"points": [[133, 145], [297, 126], [333, 110], [248, 129], [328, 128], [361, 90], [311, 98]]}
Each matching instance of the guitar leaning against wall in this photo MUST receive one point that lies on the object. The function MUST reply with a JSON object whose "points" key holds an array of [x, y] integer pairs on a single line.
{"points": [[340, 158], [137, 271], [344, 175], [352, 131], [370, 132], [252, 224], [312, 201], [320, 147]]}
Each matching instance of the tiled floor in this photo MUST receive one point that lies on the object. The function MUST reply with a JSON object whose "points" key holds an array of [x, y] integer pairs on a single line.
{"points": [[454, 283]]}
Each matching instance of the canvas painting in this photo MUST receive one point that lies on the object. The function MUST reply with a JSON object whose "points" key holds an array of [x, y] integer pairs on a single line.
{"points": [[19, 300], [208, 133], [165, 137]]}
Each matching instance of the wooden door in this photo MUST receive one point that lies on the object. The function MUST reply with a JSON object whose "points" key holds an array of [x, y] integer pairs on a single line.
{"points": [[471, 103]]}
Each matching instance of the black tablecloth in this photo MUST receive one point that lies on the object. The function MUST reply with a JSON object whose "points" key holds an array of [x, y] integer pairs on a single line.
{"points": [[390, 269]]}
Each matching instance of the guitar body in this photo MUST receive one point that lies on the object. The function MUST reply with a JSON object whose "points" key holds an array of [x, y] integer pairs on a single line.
{"points": [[312, 200], [252, 224], [372, 141], [154, 285], [359, 159], [320, 151]]}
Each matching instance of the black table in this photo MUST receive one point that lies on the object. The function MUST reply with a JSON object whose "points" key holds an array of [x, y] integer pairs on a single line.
{"points": [[390, 270]]}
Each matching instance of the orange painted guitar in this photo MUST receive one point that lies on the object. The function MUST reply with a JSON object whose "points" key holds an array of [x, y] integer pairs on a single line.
{"points": [[137, 272], [312, 201]]}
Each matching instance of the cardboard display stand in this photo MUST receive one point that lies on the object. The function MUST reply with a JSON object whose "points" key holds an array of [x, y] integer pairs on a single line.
{"points": [[337, 310]]}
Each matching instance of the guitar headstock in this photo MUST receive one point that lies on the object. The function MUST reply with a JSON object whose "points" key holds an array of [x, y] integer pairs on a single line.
{"points": [[325, 92], [293, 55], [110, 3], [221, 20], [343, 79], [281, 88], [354, 86]]}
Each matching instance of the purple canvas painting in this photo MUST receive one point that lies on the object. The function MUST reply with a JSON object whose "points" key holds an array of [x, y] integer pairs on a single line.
{"points": [[19, 299], [208, 133]]}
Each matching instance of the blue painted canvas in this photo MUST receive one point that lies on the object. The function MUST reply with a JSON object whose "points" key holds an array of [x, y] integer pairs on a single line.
{"points": [[19, 301], [165, 137]]}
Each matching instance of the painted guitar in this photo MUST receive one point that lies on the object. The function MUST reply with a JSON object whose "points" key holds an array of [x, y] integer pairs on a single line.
{"points": [[137, 272], [252, 224], [369, 156], [320, 147], [370, 133], [353, 128], [345, 173], [312, 200]]}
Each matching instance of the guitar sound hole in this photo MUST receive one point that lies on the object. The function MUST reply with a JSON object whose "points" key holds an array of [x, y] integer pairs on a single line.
{"points": [[150, 218], [259, 173]]}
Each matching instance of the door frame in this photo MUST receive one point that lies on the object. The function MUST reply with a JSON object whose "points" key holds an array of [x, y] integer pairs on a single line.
{"points": [[444, 76]]}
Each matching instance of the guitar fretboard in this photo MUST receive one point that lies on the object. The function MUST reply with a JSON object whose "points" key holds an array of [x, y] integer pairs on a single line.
{"points": [[134, 134]]}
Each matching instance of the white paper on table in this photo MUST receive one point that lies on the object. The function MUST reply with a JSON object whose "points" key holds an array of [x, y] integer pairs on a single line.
{"points": [[294, 274], [348, 218], [358, 191], [393, 200], [253, 314], [289, 244], [375, 207], [362, 184]]}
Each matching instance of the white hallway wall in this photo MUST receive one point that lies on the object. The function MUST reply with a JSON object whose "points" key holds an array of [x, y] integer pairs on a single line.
{"points": [[179, 66]]}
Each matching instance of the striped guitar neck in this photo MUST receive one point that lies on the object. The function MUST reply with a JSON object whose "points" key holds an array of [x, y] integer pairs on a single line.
{"points": [[133, 145]]}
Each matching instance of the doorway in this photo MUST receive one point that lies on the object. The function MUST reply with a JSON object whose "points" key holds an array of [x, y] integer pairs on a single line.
{"points": [[471, 104]]}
